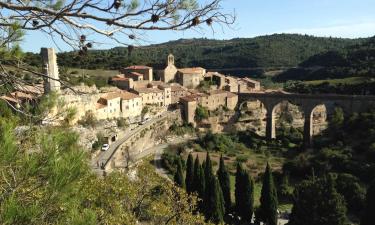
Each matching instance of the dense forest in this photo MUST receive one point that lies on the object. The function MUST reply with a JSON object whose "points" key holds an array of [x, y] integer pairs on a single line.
{"points": [[266, 52], [352, 61]]}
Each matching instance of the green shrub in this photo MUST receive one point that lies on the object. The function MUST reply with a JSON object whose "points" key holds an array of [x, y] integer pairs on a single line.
{"points": [[242, 158]]}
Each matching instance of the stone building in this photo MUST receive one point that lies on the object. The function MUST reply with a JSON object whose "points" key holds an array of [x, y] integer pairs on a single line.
{"points": [[211, 100], [138, 72], [233, 84], [134, 76], [177, 92], [160, 96], [168, 74], [120, 104], [122, 82], [190, 77]]}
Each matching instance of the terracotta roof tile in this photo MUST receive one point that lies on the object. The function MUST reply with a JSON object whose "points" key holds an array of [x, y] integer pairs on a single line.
{"points": [[136, 67], [191, 70]]}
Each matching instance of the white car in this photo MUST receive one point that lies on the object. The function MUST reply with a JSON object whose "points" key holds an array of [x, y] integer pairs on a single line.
{"points": [[105, 147]]}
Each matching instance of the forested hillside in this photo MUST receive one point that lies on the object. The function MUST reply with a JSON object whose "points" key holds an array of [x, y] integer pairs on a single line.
{"points": [[265, 52], [353, 61]]}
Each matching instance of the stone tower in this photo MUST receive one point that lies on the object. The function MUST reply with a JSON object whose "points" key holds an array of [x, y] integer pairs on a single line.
{"points": [[170, 60], [50, 69], [170, 71]]}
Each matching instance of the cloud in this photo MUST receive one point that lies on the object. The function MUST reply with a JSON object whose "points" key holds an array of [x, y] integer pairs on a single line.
{"points": [[353, 30]]}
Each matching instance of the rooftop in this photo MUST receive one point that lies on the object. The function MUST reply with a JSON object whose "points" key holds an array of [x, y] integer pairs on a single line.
{"points": [[148, 90], [125, 95], [191, 70], [119, 78], [135, 73], [137, 67]]}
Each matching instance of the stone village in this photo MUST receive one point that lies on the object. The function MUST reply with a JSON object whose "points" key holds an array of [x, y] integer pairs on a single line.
{"points": [[143, 97]]}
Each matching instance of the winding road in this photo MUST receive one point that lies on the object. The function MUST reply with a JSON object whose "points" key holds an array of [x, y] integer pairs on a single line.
{"points": [[105, 157]]}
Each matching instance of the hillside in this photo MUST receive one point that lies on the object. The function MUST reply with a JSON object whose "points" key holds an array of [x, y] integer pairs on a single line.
{"points": [[264, 52], [352, 61]]}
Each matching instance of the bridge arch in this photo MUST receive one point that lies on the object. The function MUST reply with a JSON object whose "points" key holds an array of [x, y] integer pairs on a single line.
{"points": [[308, 103]]}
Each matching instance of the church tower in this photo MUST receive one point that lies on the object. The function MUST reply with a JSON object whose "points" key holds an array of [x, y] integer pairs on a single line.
{"points": [[170, 60], [170, 71]]}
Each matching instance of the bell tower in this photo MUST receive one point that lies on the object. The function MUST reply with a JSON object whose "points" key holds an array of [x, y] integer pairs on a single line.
{"points": [[170, 60]]}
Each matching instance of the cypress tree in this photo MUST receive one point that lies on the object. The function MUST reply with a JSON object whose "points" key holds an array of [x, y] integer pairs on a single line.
{"points": [[224, 180], [268, 199], [368, 216], [215, 203], [202, 183], [196, 178], [208, 169], [208, 176], [189, 179], [244, 193], [179, 176]]}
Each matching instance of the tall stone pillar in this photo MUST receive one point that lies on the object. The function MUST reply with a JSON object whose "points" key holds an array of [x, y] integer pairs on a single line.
{"points": [[50, 69], [270, 123], [308, 126]]}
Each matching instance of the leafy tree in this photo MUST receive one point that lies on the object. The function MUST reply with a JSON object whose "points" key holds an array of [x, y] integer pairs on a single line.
{"points": [[368, 216], [224, 179], [244, 193], [179, 175], [189, 180], [337, 118], [268, 199], [349, 187], [318, 203], [201, 113]]}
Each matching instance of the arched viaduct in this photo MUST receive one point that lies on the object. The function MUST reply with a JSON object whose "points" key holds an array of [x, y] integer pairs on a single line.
{"points": [[307, 103]]}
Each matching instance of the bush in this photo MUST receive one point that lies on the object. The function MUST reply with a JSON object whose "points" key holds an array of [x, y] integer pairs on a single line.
{"points": [[201, 113], [89, 120], [242, 158], [121, 122]]}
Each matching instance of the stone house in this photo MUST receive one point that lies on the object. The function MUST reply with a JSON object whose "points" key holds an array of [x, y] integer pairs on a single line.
{"points": [[109, 106], [121, 82], [160, 96], [211, 100], [120, 104], [177, 92], [190, 77], [138, 72]]}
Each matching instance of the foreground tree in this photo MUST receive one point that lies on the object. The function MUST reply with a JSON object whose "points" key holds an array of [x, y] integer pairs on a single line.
{"points": [[189, 179], [244, 193], [45, 180], [214, 202], [318, 203], [268, 199], [368, 216], [224, 179], [85, 24], [198, 181], [179, 175]]}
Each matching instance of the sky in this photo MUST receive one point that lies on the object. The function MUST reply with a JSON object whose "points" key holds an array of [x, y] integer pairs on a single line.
{"points": [[335, 18]]}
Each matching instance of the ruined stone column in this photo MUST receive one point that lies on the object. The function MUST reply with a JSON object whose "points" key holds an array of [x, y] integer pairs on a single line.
{"points": [[270, 122], [50, 69], [308, 126]]}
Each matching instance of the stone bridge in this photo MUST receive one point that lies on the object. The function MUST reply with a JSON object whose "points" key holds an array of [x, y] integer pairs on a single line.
{"points": [[307, 103]]}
